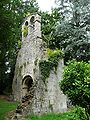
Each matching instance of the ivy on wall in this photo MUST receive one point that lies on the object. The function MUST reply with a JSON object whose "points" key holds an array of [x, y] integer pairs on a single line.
{"points": [[51, 64], [45, 67], [25, 31]]}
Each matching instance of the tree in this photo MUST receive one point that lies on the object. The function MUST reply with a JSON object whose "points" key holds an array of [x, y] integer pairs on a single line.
{"points": [[73, 32], [5, 30], [12, 13], [76, 84], [48, 21]]}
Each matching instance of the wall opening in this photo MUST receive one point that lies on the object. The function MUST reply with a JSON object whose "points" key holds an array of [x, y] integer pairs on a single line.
{"points": [[26, 23], [25, 29], [32, 20], [32, 26], [27, 84]]}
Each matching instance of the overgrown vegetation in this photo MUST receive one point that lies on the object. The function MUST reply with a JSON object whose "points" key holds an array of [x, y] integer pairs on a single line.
{"points": [[74, 114], [6, 106], [46, 66], [76, 84], [54, 56], [25, 31], [67, 28]]}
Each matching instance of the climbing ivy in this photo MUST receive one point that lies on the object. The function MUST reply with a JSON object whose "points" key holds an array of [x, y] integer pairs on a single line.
{"points": [[54, 56], [51, 64], [25, 31], [45, 67]]}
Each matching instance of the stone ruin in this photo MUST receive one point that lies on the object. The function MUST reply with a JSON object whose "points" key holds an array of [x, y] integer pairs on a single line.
{"points": [[34, 95]]}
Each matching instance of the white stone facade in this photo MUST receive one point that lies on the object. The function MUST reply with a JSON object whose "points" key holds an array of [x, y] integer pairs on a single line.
{"points": [[46, 98]]}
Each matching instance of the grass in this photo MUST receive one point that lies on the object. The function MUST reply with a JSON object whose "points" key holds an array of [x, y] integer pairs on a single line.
{"points": [[73, 114], [6, 106], [48, 117]]}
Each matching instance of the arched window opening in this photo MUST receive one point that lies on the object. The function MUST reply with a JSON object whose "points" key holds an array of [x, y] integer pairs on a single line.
{"points": [[27, 84], [25, 29], [32, 26], [26, 23], [32, 20]]}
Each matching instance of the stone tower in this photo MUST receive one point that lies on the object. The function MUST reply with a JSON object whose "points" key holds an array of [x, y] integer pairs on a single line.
{"points": [[28, 86]]}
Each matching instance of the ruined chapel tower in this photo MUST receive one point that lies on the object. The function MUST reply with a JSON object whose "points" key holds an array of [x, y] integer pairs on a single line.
{"points": [[46, 97]]}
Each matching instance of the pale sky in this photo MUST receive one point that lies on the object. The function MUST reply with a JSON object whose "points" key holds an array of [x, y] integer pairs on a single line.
{"points": [[45, 5]]}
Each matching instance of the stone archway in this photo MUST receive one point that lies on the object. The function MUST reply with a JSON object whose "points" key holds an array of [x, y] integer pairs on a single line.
{"points": [[27, 84]]}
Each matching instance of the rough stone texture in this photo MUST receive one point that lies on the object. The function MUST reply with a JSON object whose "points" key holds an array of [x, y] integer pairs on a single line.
{"points": [[46, 97]]}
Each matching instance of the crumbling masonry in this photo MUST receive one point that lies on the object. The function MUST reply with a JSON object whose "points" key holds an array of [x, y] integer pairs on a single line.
{"points": [[35, 96]]}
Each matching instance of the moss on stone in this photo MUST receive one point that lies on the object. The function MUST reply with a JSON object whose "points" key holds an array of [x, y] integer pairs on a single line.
{"points": [[45, 68], [54, 56], [51, 64], [25, 31]]}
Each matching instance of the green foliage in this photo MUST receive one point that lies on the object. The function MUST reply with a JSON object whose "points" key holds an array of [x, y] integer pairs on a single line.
{"points": [[45, 68], [54, 56], [5, 107], [51, 64], [80, 113], [25, 31], [72, 31], [74, 114], [5, 31], [76, 83], [12, 13], [48, 23]]}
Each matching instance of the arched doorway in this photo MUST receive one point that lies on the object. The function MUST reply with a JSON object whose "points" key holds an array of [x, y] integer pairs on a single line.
{"points": [[27, 84]]}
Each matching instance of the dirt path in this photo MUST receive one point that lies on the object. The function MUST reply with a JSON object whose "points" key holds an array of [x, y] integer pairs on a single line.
{"points": [[5, 97]]}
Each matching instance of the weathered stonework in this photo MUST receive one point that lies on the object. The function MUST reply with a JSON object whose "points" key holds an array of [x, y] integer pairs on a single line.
{"points": [[44, 98]]}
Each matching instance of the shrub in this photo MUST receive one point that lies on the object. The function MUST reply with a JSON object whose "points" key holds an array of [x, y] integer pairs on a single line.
{"points": [[76, 83]]}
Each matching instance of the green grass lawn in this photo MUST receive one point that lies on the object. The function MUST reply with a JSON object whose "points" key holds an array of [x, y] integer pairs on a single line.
{"points": [[73, 114], [6, 106], [49, 117]]}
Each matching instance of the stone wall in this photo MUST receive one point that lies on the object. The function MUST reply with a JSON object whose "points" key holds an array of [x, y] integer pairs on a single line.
{"points": [[46, 97]]}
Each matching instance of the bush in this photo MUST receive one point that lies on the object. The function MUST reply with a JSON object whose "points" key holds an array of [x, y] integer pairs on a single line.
{"points": [[76, 83]]}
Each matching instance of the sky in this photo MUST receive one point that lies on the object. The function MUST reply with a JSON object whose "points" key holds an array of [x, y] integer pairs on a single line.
{"points": [[45, 5]]}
